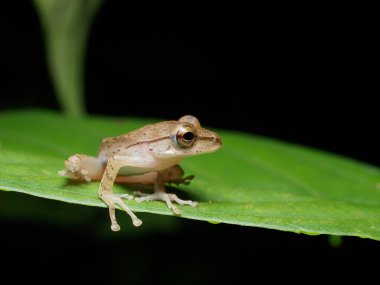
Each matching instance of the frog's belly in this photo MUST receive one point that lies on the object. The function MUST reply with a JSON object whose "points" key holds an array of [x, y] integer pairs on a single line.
{"points": [[138, 170], [128, 170], [145, 166], [132, 170]]}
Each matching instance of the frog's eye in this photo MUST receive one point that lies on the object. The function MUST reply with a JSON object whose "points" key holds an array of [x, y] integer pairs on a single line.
{"points": [[185, 136]]}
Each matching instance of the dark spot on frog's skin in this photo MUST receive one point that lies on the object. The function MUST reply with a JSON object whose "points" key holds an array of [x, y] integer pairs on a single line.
{"points": [[144, 134], [108, 176], [118, 150], [150, 149], [169, 147]]}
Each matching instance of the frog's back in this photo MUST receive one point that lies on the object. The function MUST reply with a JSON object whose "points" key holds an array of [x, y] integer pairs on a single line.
{"points": [[118, 145]]}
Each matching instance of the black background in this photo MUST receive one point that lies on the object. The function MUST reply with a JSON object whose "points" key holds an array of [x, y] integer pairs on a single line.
{"points": [[299, 74]]}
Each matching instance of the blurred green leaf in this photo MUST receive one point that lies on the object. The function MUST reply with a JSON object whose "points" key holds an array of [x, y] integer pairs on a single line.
{"points": [[251, 181], [66, 25]]}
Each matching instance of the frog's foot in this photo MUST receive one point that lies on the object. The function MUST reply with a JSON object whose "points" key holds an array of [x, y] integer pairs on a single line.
{"points": [[74, 169], [166, 197], [174, 175], [183, 180], [82, 167], [116, 199]]}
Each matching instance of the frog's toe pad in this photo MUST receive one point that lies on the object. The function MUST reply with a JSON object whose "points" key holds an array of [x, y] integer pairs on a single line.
{"points": [[116, 199], [167, 198]]}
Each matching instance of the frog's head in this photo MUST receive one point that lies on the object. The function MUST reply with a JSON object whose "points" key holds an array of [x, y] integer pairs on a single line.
{"points": [[188, 138]]}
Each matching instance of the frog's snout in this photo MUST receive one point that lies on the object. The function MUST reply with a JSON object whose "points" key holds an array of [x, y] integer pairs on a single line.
{"points": [[217, 140]]}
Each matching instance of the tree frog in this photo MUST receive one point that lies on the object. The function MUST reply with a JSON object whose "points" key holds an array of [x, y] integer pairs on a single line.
{"points": [[149, 155]]}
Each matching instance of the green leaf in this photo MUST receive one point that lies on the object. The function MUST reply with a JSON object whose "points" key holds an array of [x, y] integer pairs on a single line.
{"points": [[251, 181], [66, 25]]}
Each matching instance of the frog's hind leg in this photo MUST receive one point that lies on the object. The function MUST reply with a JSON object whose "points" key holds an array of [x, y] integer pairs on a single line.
{"points": [[173, 174], [159, 189], [83, 167]]}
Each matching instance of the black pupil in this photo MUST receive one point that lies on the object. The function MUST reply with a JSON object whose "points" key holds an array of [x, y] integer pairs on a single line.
{"points": [[188, 136]]}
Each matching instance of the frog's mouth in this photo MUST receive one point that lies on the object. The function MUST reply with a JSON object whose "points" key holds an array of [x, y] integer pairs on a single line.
{"points": [[207, 144]]}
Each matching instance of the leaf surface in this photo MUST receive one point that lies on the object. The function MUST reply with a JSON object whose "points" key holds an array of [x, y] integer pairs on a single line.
{"points": [[251, 180]]}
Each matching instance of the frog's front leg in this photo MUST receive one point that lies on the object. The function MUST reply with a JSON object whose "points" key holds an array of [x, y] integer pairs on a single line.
{"points": [[160, 194], [105, 193]]}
